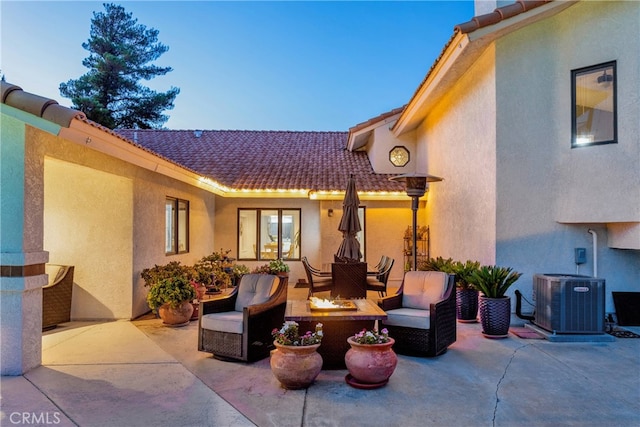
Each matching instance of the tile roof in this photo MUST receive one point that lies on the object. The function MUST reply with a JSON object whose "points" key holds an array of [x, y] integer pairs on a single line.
{"points": [[376, 119], [45, 108], [499, 14], [260, 160]]}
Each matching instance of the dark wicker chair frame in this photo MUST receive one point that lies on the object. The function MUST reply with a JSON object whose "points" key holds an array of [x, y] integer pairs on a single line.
{"points": [[259, 320], [56, 297], [379, 282], [442, 328], [318, 281]]}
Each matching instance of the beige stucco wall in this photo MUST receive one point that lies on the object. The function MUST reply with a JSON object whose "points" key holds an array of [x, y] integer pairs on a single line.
{"points": [[112, 214], [382, 142], [92, 233], [457, 142], [550, 195], [385, 225]]}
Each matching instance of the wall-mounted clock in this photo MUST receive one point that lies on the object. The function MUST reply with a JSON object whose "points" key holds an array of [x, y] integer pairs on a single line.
{"points": [[399, 156]]}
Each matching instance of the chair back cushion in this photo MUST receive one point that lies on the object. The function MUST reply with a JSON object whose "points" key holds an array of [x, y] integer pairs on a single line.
{"points": [[255, 289], [421, 288], [55, 272]]}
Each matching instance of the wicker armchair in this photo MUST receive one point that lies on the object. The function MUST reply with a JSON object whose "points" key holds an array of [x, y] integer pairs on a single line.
{"points": [[238, 326], [421, 316], [56, 295]]}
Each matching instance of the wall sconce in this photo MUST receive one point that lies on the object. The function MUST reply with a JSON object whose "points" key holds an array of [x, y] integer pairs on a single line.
{"points": [[330, 213]]}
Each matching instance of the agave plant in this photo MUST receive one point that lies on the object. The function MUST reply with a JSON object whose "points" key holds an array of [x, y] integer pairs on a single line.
{"points": [[493, 281]]}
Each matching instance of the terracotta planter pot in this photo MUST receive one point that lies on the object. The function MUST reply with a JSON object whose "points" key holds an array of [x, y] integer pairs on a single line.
{"points": [[370, 365], [495, 316], [296, 367], [176, 316], [466, 305]]}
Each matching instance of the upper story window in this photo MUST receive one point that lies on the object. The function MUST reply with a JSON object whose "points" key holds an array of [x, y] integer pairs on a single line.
{"points": [[594, 110], [177, 226], [265, 234]]}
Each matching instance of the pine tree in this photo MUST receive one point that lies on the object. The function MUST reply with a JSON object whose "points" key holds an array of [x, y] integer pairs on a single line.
{"points": [[121, 52]]}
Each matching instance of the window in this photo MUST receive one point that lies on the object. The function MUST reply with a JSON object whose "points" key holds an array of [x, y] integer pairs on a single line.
{"points": [[594, 115], [177, 226], [265, 234]]}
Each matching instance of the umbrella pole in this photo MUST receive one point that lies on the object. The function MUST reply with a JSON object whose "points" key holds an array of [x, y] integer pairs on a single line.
{"points": [[414, 208]]}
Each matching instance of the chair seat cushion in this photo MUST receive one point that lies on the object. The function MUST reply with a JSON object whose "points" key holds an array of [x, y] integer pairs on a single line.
{"points": [[227, 321], [408, 318], [374, 284], [421, 288], [255, 289]]}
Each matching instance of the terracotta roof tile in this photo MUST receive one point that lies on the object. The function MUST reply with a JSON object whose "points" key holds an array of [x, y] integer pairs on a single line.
{"points": [[259, 160], [498, 15], [376, 119]]}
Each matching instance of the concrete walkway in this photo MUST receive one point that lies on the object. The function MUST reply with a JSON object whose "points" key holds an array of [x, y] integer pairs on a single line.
{"points": [[144, 374]]}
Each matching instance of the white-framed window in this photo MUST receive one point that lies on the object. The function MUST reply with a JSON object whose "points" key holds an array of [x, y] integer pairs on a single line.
{"points": [[594, 109], [265, 234], [177, 226]]}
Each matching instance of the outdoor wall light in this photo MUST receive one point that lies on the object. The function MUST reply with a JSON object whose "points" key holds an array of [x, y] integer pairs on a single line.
{"points": [[415, 186], [330, 213]]}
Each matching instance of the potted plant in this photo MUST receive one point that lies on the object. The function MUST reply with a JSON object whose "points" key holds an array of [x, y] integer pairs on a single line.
{"points": [[437, 264], [276, 267], [494, 306], [296, 362], [214, 271], [171, 299], [466, 293], [370, 360], [155, 274], [279, 268]]}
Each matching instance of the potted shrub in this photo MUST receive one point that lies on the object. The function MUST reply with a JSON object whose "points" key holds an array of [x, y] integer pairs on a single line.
{"points": [[437, 264], [296, 362], [370, 360], [466, 293], [171, 299], [213, 271], [155, 274], [494, 306], [276, 267]]}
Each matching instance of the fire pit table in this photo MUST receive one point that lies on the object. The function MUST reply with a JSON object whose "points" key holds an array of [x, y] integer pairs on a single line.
{"points": [[338, 325]]}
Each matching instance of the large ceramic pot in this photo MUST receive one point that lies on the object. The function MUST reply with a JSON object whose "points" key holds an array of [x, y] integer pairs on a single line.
{"points": [[466, 305], [296, 367], [176, 316], [370, 365], [495, 316]]}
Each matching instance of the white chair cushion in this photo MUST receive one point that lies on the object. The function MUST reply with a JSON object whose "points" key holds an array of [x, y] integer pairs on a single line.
{"points": [[255, 289], [227, 321], [408, 318], [421, 288]]}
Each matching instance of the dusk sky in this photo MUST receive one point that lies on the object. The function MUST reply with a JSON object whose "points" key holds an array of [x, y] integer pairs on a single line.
{"points": [[249, 65]]}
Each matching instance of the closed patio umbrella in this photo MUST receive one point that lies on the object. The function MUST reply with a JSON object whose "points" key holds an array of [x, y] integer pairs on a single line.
{"points": [[350, 224]]}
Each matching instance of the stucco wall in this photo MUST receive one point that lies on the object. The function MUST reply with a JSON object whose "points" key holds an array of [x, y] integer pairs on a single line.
{"points": [[385, 225], [457, 142], [542, 182], [92, 233], [119, 209]]}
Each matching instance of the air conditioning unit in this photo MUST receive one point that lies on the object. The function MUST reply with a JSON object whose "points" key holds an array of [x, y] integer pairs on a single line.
{"points": [[569, 304]]}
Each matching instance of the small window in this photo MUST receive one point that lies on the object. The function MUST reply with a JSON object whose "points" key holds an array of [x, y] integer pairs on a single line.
{"points": [[266, 234], [594, 115], [177, 226]]}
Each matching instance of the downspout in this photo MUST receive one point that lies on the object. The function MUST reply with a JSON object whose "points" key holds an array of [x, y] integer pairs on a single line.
{"points": [[595, 252]]}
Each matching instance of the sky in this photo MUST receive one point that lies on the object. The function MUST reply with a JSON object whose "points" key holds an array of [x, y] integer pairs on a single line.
{"points": [[299, 66]]}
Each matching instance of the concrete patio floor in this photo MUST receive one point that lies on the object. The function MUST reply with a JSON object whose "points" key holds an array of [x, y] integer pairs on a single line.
{"points": [[141, 373]]}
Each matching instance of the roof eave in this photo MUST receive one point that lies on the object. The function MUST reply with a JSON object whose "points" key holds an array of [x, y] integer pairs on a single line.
{"points": [[463, 49]]}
